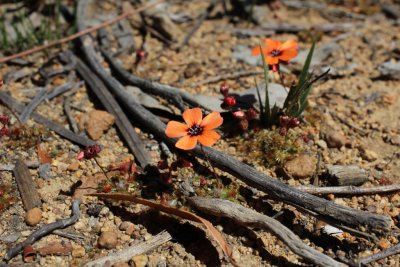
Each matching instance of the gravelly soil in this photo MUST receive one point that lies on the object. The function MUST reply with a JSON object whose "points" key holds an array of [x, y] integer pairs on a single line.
{"points": [[355, 106]]}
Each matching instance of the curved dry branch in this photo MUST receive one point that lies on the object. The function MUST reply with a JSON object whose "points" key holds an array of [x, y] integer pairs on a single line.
{"points": [[248, 217]]}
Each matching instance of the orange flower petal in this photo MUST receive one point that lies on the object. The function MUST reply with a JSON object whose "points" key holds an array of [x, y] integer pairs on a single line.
{"points": [[211, 121], [272, 44], [176, 129], [187, 142], [208, 138], [288, 55], [289, 44], [270, 60], [257, 52], [192, 116]]}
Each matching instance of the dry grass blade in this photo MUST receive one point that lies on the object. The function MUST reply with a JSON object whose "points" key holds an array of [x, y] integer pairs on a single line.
{"points": [[216, 235]]}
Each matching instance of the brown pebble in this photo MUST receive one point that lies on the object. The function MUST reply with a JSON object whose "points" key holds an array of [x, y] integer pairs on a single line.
{"points": [[121, 264], [140, 260], [107, 240], [333, 138], [74, 166], [33, 216], [301, 167], [124, 225], [131, 228], [78, 252]]}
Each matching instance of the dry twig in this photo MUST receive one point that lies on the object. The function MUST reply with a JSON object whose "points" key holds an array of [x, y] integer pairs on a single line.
{"points": [[349, 190], [127, 253], [108, 101], [79, 34], [15, 106], [251, 218], [45, 230]]}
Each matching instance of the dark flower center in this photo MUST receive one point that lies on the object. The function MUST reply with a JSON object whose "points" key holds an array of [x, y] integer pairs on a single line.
{"points": [[195, 130], [276, 53]]}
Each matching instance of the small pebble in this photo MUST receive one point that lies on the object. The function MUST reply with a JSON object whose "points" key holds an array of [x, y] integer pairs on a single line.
{"points": [[121, 264], [140, 260], [33, 216], [107, 240], [78, 252]]}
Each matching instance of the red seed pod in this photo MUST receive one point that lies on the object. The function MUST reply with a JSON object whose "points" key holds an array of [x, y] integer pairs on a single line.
{"points": [[230, 101], [140, 54], [251, 114], [106, 188], [5, 119], [293, 123], [183, 163], [162, 165], [92, 151], [224, 89], [275, 67], [239, 114]]}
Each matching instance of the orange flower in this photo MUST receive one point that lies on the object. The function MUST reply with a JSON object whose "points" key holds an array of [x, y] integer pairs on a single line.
{"points": [[195, 129], [276, 51]]}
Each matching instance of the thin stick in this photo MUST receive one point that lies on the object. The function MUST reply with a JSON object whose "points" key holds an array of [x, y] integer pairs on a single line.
{"points": [[250, 218], [349, 190], [104, 172], [12, 104], [45, 230], [79, 34], [380, 255], [198, 23], [127, 253], [228, 76]]}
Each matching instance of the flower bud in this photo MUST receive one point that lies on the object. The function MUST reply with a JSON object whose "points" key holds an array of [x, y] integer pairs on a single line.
{"points": [[284, 120], [251, 114], [239, 114], [230, 101], [4, 131], [224, 89], [282, 131]]}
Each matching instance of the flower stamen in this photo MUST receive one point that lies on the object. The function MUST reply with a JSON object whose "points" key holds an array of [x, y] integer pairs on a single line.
{"points": [[195, 130], [276, 53]]}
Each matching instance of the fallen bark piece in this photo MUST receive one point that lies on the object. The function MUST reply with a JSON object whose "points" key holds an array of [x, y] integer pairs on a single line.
{"points": [[96, 122], [44, 230], [26, 186], [214, 233], [55, 248], [347, 175], [250, 218], [127, 253]]}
